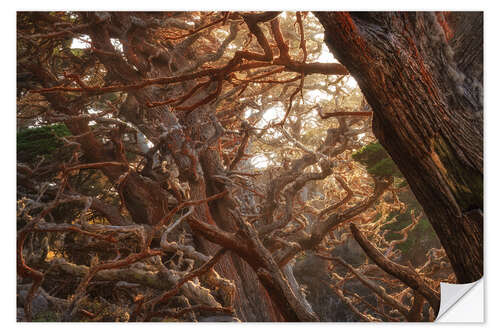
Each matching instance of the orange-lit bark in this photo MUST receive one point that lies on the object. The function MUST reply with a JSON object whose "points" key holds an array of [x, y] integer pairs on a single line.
{"points": [[426, 95]]}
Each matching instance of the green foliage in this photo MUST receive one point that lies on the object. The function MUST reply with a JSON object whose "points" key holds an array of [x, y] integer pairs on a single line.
{"points": [[46, 316], [78, 52], [378, 163], [422, 236], [422, 233], [39, 141], [385, 167], [376, 160], [370, 154]]}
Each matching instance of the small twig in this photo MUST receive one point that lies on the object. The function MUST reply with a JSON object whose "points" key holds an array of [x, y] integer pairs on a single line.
{"points": [[223, 20]]}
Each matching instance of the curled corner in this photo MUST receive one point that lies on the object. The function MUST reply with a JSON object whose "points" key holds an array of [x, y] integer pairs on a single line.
{"points": [[461, 302]]}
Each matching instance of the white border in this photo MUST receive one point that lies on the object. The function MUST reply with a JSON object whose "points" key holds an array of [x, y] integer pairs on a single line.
{"points": [[492, 165]]}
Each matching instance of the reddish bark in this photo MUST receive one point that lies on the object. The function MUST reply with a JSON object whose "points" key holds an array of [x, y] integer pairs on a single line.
{"points": [[426, 96]]}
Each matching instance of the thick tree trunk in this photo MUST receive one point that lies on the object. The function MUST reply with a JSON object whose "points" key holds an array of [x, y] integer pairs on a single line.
{"points": [[255, 303], [422, 75]]}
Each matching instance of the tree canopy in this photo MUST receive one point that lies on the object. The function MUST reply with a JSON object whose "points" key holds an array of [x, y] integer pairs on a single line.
{"points": [[208, 166]]}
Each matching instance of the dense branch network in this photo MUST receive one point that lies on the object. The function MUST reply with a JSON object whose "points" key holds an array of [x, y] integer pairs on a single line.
{"points": [[188, 156]]}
